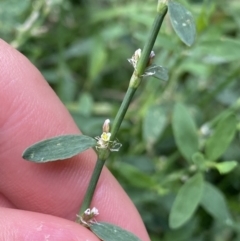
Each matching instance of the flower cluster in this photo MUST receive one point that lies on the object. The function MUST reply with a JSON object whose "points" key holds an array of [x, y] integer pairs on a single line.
{"points": [[88, 217], [136, 56], [156, 71], [104, 142]]}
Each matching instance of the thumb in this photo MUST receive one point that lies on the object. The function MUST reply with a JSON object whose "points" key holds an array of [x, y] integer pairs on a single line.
{"points": [[28, 226]]}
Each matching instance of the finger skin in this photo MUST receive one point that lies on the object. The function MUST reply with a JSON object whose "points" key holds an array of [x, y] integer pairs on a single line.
{"points": [[19, 225], [29, 112]]}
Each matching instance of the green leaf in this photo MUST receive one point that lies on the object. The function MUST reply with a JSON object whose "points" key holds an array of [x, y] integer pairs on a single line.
{"points": [[214, 203], [182, 22], [224, 133], [154, 123], [158, 72], [136, 177], [185, 131], [187, 201], [199, 160], [110, 232], [85, 104], [215, 50], [98, 58], [58, 148], [225, 167]]}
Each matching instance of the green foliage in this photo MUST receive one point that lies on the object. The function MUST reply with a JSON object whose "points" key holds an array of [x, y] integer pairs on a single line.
{"points": [[215, 204], [82, 47], [185, 131], [223, 135], [58, 148], [182, 22], [186, 201], [109, 232], [154, 123]]}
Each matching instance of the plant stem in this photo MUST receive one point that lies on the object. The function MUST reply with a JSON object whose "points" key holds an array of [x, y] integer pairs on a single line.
{"points": [[140, 69], [91, 187], [162, 10], [133, 85], [122, 111]]}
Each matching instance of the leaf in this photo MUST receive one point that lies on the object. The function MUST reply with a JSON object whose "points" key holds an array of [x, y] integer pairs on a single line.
{"points": [[85, 104], [214, 203], [136, 177], [158, 72], [199, 160], [98, 58], [182, 22], [110, 232], [154, 123], [185, 131], [58, 148], [224, 133], [225, 167], [186, 201], [215, 50]]}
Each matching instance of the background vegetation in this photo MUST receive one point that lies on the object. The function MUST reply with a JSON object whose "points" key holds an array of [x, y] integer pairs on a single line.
{"points": [[81, 47]]}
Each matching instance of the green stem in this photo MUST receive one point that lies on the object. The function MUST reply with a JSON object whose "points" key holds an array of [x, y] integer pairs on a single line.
{"points": [[133, 85], [142, 63], [91, 187], [140, 69], [122, 111]]}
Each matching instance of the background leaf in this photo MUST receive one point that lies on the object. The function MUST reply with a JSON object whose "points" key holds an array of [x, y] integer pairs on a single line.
{"points": [[185, 131], [225, 167], [186, 201], [182, 22], [222, 136], [159, 72], [110, 232], [214, 203], [58, 148], [154, 123]]}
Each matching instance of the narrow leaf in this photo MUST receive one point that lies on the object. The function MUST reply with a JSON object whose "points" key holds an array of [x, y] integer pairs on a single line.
{"points": [[135, 177], [58, 148], [110, 232], [182, 22], [158, 72], [224, 133], [225, 167], [187, 201], [214, 203], [154, 123], [185, 131]]}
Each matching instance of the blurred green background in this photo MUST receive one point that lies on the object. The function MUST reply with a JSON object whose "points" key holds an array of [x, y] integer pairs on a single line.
{"points": [[82, 47]]}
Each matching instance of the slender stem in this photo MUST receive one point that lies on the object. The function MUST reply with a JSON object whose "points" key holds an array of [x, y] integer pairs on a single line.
{"points": [[91, 187], [122, 111], [133, 85], [162, 10], [140, 69]]}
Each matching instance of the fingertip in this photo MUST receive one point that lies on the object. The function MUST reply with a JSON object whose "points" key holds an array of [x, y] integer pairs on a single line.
{"points": [[28, 226]]}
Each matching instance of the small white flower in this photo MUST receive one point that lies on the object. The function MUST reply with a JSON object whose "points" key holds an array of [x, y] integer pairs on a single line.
{"points": [[94, 211], [106, 126], [88, 216], [136, 56], [106, 136], [104, 142], [87, 212]]}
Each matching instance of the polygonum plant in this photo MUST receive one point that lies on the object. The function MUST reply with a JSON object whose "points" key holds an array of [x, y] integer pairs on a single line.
{"points": [[66, 146]]}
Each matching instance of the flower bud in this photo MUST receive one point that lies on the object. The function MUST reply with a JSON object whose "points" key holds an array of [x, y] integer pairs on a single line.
{"points": [[151, 57], [106, 126]]}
